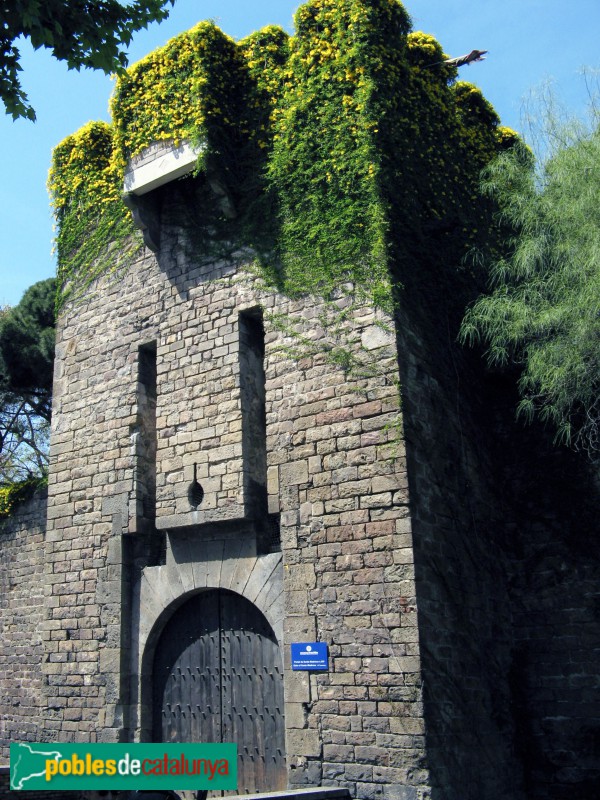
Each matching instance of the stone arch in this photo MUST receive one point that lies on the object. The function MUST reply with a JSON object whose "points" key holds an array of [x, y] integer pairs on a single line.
{"points": [[218, 677], [193, 566]]}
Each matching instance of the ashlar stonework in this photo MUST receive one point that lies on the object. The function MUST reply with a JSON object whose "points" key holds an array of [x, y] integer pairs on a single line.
{"points": [[307, 518], [201, 460]]}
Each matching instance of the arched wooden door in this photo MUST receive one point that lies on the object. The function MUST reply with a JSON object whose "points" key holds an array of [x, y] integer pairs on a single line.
{"points": [[218, 677]]}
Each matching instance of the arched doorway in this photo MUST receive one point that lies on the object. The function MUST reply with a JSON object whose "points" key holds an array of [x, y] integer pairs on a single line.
{"points": [[218, 677]]}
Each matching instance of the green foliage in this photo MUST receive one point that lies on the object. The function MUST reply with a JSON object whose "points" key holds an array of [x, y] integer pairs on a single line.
{"points": [[544, 310], [93, 223], [27, 345], [198, 87], [326, 164], [266, 53], [189, 89], [332, 152], [84, 34], [26, 368], [13, 494], [450, 133]]}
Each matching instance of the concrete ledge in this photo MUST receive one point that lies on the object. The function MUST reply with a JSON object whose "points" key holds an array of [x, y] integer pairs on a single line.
{"points": [[313, 793], [167, 166]]}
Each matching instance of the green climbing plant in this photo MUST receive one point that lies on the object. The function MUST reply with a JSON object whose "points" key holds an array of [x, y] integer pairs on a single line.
{"points": [[332, 148]]}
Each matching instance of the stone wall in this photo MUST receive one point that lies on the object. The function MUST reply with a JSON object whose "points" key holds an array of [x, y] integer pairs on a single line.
{"points": [[21, 620], [556, 600], [507, 566], [336, 485], [206, 436], [337, 465], [462, 563]]}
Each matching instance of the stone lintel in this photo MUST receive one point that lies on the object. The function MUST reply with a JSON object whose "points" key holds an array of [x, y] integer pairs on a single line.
{"points": [[168, 165], [234, 512], [311, 793]]}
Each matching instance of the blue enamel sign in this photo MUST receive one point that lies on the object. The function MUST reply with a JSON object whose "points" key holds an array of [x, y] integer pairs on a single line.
{"points": [[310, 655]]}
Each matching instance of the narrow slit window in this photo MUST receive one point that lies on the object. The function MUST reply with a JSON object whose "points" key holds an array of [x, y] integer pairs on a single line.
{"points": [[254, 423], [145, 439]]}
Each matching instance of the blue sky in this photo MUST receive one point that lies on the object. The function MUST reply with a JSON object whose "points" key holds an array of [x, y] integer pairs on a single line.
{"points": [[529, 41]]}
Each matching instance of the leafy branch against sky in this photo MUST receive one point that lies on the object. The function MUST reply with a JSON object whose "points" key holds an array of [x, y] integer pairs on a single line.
{"points": [[82, 33]]}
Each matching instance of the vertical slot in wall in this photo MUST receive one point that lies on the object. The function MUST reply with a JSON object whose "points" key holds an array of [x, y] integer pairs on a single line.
{"points": [[145, 440], [254, 424]]}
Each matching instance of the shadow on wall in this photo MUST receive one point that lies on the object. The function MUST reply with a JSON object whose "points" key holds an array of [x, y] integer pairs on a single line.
{"points": [[507, 561]]}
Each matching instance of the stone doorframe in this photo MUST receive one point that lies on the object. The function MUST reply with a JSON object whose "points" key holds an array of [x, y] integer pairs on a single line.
{"points": [[195, 564]]}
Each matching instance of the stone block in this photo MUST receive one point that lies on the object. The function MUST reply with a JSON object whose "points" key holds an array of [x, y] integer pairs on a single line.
{"points": [[295, 716], [304, 743], [299, 628], [299, 577], [297, 687], [294, 473]]}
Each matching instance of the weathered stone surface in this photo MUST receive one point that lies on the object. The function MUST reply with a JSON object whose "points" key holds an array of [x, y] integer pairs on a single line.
{"points": [[443, 604], [23, 646], [304, 742]]}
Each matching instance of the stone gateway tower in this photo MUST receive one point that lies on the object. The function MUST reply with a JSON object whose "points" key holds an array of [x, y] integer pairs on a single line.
{"points": [[229, 498], [265, 434]]}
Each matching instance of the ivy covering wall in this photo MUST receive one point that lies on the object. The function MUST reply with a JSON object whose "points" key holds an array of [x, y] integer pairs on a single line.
{"points": [[85, 184], [193, 88], [347, 137]]}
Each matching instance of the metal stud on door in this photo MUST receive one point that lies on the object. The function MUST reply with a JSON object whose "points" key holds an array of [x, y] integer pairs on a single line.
{"points": [[218, 677], [186, 674]]}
